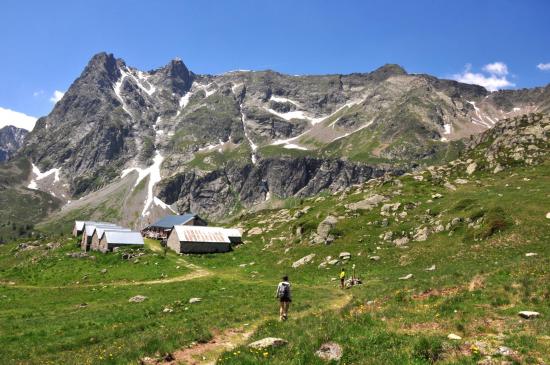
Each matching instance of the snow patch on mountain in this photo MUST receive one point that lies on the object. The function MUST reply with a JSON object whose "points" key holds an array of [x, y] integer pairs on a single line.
{"points": [[117, 87], [291, 146], [37, 176], [253, 146], [153, 172]]}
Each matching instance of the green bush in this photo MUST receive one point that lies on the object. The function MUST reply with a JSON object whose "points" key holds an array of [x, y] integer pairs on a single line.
{"points": [[429, 349]]}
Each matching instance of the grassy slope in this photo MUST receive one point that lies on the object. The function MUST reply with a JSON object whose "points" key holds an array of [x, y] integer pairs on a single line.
{"points": [[20, 208], [482, 279], [404, 325]]}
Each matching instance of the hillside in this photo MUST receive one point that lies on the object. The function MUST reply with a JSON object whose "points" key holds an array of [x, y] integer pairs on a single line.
{"points": [[458, 248], [197, 136]]}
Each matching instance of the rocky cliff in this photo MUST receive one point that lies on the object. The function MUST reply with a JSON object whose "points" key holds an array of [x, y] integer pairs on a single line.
{"points": [[11, 139], [224, 191]]}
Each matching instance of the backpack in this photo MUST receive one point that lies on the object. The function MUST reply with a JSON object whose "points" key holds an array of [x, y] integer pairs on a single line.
{"points": [[283, 290]]}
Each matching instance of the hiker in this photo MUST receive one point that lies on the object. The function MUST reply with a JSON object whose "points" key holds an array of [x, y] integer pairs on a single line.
{"points": [[284, 296], [342, 278]]}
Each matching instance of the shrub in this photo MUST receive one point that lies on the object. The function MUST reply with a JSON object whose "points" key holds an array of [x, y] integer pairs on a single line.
{"points": [[429, 349], [495, 221]]}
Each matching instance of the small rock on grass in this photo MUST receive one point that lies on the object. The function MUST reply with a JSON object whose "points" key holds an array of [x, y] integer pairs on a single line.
{"points": [[195, 300], [431, 268], [452, 336], [530, 254], [406, 277], [304, 260], [267, 343], [529, 314], [330, 351], [548, 215], [137, 299]]}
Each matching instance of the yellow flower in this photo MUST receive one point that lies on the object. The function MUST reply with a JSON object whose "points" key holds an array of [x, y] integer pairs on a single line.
{"points": [[266, 354]]}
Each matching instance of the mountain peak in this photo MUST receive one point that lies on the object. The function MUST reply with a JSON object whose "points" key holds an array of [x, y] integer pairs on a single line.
{"points": [[104, 63], [391, 69]]}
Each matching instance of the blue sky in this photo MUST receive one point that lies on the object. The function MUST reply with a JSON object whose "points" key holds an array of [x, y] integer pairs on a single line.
{"points": [[47, 43]]}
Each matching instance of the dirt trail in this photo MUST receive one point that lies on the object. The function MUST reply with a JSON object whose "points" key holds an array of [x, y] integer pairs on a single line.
{"points": [[198, 272], [207, 353]]}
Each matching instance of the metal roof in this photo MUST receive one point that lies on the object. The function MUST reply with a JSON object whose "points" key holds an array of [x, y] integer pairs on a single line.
{"points": [[79, 225], [101, 230], [201, 234], [172, 220], [123, 237], [90, 228], [233, 232]]}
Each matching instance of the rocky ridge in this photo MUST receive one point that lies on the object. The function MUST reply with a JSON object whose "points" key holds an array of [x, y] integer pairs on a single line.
{"points": [[174, 125]]}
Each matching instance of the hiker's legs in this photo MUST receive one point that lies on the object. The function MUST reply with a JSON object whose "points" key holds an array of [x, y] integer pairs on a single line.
{"points": [[286, 306], [281, 310]]}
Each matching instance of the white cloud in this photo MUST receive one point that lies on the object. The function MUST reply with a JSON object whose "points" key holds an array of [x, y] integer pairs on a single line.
{"points": [[544, 66], [493, 79], [57, 95], [496, 68], [38, 93], [17, 119]]}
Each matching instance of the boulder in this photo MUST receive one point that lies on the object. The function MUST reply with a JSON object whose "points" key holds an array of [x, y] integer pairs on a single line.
{"points": [[345, 256], [268, 342], [529, 314], [374, 258], [323, 230], [367, 204], [387, 236], [387, 208], [449, 186], [452, 336], [330, 351], [498, 169], [437, 196], [401, 241], [304, 260], [471, 168], [421, 234], [255, 231], [137, 299]]}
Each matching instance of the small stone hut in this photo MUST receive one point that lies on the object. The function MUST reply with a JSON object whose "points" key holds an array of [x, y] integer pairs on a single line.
{"points": [[111, 239], [199, 239]]}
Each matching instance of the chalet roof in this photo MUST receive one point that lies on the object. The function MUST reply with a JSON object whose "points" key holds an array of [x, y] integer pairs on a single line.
{"points": [[172, 220], [79, 225], [233, 232], [201, 234], [123, 237], [101, 230], [90, 227]]}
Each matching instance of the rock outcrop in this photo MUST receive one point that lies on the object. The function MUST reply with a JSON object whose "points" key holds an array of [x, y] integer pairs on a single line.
{"points": [[11, 139], [219, 192]]}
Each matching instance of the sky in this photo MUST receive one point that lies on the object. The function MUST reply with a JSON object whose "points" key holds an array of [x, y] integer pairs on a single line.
{"points": [[47, 44]]}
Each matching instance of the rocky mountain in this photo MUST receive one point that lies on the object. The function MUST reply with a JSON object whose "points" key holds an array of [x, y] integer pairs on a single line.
{"points": [[11, 139], [232, 135]]}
